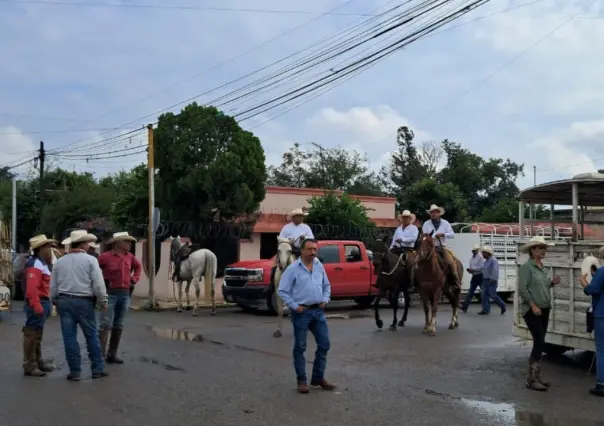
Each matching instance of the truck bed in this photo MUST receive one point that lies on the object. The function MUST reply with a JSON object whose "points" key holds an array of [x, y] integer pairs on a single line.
{"points": [[567, 319]]}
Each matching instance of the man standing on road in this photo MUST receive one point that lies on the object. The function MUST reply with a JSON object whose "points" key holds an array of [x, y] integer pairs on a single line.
{"points": [[75, 285], [490, 281], [476, 265], [121, 272], [305, 290]]}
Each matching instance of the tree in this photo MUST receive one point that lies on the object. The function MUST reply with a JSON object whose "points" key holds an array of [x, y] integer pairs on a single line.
{"points": [[428, 191], [338, 210], [207, 165], [332, 168], [130, 206], [506, 210]]}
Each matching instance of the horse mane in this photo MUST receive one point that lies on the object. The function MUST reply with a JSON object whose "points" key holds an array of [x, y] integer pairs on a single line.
{"points": [[283, 240], [175, 246]]}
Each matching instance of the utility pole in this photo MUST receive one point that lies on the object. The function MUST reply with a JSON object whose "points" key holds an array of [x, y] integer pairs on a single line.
{"points": [[14, 218], [534, 175], [150, 229], [42, 158]]}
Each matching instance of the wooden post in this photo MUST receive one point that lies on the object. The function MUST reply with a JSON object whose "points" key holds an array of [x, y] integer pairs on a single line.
{"points": [[150, 230]]}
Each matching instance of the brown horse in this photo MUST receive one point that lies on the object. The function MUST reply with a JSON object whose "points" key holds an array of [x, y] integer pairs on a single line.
{"points": [[431, 278], [394, 276]]}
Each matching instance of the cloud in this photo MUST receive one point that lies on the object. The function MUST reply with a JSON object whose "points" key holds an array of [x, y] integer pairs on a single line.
{"points": [[16, 148]]}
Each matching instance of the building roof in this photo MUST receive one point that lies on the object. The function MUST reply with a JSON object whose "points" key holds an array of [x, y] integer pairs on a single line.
{"points": [[318, 192]]}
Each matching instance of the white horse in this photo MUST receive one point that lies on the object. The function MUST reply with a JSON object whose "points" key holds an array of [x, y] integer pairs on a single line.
{"points": [[284, 259], [201, 264]]}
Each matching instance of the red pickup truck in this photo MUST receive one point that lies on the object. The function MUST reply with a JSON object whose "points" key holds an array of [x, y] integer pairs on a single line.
{"points": [[347, 263]]}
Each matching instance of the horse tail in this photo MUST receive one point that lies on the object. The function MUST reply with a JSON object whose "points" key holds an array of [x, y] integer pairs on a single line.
{"points": [[209, 275]]}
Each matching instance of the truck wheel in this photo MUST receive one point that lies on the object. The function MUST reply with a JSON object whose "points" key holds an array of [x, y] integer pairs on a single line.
{"points": [[555, 350], [365, 301], [505, 296]]}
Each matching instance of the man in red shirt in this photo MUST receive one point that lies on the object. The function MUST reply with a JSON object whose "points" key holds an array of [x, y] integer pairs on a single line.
{"points": [[37, 305], [121, 270]]}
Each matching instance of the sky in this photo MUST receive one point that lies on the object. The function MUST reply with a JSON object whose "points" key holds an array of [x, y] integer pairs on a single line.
{"points": [[518, 79]]}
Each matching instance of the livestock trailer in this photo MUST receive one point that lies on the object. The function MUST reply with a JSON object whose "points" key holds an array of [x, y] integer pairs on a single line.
{"points": [[567, 327]]}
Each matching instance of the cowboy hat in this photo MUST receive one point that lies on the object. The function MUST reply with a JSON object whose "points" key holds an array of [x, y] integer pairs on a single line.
{"points": [[79, 236], [298, 212], [533, 242], [121, 236], [93, 245], [588, 263], [476, 247], [406, 213], [435, 207], [39, 241], [487, 249]]}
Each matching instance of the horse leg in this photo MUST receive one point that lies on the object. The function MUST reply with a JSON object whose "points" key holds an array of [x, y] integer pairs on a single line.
{"points": [[425, 302], [434, 311], [453, 300], [179, 284], [394, 304], [197, 293], [376, 311], [213, 295], [187, 287], [407, 297], [277, 332]]}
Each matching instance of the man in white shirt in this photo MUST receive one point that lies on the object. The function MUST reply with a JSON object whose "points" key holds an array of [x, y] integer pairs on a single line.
{"points": [[295, 231], [405, 235], [442, 232], [476, 266]]}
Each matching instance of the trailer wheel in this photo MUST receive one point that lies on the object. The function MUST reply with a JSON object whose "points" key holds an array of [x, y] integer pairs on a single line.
{"points": [[555, 350]]}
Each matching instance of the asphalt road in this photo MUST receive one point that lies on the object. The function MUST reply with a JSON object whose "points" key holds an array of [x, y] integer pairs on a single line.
{"points": [[230, 370]]}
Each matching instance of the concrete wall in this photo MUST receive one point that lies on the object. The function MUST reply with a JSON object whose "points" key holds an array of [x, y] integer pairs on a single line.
{"points": [[163, 284]]}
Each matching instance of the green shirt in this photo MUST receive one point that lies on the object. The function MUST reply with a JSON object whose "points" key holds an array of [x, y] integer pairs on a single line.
{"points": [[533, 285]]}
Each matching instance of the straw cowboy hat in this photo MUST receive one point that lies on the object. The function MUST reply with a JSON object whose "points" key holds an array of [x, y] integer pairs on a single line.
{"points": [[39, 241], [487, 249], [93, 245], [476, 247], [298, 212], [79, 236], [121, 236], [406, 213], [435, 207], [535, 241], [586, 266]]}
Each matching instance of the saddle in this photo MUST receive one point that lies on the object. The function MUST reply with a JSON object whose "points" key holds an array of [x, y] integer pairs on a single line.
{"points": [[182, 255]]}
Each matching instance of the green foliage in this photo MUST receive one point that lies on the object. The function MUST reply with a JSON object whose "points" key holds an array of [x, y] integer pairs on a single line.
{"points": [[506, 210], [333, 209], [332, 168], [130, 205], [207, 165]]}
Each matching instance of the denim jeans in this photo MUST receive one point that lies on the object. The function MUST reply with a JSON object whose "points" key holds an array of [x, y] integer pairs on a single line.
{"points": [[475, 282], [488, 291], [599, 336], [117, 305], [74, 312], [315, 321], [34, 321]]}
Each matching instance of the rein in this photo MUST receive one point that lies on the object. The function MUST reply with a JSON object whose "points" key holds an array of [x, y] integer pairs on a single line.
{"points": [[395, 266]]}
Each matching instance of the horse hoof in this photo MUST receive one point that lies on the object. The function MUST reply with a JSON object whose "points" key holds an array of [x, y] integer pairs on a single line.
{"points": [[392, 327], [456, 324], [179, 310], [277, 333], [401, 323], [425, 330], [213, 313], [194, 314], [451, 326], [379, 323]]}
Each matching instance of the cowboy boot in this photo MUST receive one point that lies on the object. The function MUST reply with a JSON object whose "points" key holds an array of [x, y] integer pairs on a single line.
{"points": [[30, 366], [531, 380], [114, 342], [43, 366], [103, 337], [538, 377]]}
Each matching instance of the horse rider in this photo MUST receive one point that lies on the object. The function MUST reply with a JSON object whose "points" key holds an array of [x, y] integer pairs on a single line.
{"points": [[295, 231], [405, 235], [37, 305], [442, 232]]}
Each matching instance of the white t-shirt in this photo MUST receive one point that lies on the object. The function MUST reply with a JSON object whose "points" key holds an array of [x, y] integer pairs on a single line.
{"points": [[294, 232]]}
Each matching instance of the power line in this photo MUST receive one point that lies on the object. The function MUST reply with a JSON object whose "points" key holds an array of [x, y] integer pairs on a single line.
{"points": [[180, 7], [38, 132]]}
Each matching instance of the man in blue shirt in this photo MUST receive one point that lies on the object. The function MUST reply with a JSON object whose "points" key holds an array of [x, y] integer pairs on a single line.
{"points": [[490, 280], [305, 290]]}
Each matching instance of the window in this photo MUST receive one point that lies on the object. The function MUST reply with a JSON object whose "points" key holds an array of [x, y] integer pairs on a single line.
{"points": [[329, 254], [353, 253]]}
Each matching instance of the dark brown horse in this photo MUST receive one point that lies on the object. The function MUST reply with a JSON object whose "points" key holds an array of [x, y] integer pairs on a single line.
{"points": [[431, 278], [393, 277]]}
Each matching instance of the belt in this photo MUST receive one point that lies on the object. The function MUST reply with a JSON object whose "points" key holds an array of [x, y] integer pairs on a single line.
{"points": [[73, 296], [313, 306], [44, 298]]}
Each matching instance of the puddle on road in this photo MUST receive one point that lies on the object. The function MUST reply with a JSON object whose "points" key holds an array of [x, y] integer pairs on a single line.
{"points": [[508, 414]]}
